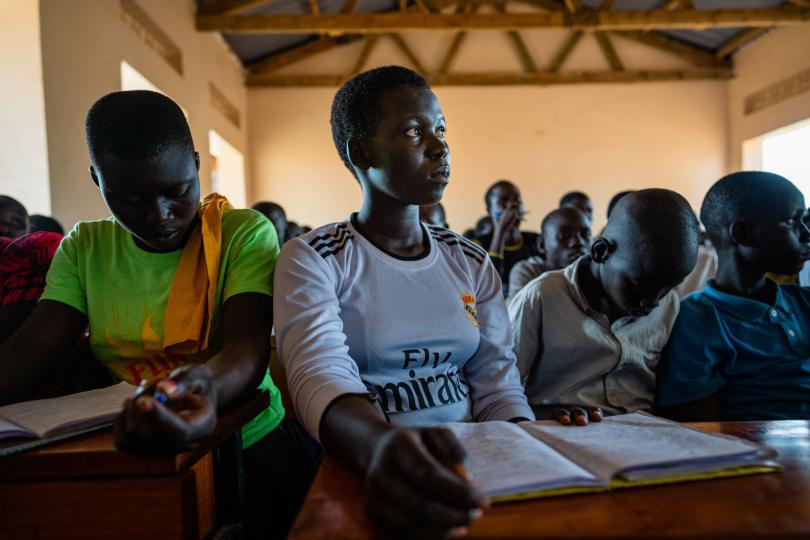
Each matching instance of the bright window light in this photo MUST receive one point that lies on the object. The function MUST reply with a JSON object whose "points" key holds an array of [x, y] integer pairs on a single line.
{"points": [[787, 152], [227, 170]]}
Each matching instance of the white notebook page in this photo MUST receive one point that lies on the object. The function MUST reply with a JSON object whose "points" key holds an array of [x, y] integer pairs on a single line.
{"points": [[641, 441], [504, 459]]}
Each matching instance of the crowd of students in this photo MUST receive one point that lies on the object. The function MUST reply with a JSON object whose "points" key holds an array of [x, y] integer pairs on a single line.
{"points": [[388, 323]]}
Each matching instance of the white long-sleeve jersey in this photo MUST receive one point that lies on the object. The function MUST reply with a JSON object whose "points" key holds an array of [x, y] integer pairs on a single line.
{"points": [[428, 337]]}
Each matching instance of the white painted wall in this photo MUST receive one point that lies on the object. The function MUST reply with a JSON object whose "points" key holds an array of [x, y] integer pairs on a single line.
{"points": [[23, 148], [83, 45]]}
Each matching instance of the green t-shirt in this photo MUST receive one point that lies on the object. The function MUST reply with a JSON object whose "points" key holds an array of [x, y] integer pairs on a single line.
{"points": [[123, 290]]}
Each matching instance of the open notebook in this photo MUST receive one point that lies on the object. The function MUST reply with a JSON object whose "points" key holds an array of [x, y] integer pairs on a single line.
{"points": [[47, 420], [536, 459]]}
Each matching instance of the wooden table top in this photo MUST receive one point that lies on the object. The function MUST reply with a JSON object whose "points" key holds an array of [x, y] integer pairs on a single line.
{"points": [[763, 506], [94, 455]]}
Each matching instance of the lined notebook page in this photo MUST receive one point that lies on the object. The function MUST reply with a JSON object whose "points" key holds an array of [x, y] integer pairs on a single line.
{"points": [[640, 441], [54, 416], [504, 459]]}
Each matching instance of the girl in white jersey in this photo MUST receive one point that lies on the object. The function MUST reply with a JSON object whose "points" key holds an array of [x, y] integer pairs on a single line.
{"points": [[387, 326]]}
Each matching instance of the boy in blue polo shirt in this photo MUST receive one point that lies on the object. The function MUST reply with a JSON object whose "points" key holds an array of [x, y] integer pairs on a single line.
{"points": [[740, 349]]}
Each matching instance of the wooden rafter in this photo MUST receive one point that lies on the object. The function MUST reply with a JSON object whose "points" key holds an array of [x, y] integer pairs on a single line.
{"points": [[610, 53], [522, 51], [740, 40], [538, 78], [370, 41], [402, 45], [225, 7], [458, 39], [348, 7], [314, 8], [565, 51], [691, 54], [377, 23], [301, 52], [452, 51]]}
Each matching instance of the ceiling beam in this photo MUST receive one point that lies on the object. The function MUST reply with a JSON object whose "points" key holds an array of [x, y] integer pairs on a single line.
{"points": [[408, 52], [522, 51], [384, 23], [690, 53], [301, 52], [228, 7], [364, 54], [538, 78], [739, 41], [565, 51], [609, 51]]}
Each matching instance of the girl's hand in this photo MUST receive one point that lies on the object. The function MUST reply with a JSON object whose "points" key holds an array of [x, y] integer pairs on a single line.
{"points": [[577, 416]]}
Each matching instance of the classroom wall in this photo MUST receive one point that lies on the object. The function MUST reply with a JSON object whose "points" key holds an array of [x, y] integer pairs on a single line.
{"points": [[600, 138], [23, 149], [776, 56], [83, 44]]}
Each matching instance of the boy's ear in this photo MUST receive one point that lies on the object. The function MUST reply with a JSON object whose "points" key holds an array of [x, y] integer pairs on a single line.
{"points": [[601, 248], [739, 233], [541, 245], [358, 153], [197, 160], [93, 176]]}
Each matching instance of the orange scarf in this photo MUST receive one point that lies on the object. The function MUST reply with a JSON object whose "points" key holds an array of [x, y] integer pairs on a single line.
{"points": [[192, 298]]}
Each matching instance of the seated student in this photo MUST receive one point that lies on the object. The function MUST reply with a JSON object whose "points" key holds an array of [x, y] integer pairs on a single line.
{"points": [[45, 223], [276, 214], [482, 228], [578, 200], [565, 236], [506, 244], [433, 214], [176, 294], [294, 230], [13, 218], [589, 336], [388, 326], [740, 349], [24, 261]]}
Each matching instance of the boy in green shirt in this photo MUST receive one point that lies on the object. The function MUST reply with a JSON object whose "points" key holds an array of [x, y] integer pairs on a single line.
{"points": [[125, 278]]}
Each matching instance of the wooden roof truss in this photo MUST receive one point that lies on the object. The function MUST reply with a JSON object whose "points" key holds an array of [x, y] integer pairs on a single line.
{"points": [[462, 16]]}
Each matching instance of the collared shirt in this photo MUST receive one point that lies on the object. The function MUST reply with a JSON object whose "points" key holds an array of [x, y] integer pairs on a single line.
{"points": [[571, 355], [527, 246], [525, 271], [755, 355]]}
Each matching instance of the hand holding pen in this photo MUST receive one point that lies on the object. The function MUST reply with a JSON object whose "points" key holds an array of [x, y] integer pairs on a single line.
{"points": [[169, 415]]}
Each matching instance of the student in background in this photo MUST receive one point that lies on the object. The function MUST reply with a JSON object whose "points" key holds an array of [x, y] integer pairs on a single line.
{"points": [[294, 230], [178, 297], [24, 262], [588, 337], [45, 223], [506, 244], [277, 216], [740, 349], [578, 200], [483, 227], [565, 236], [388, 326], [433, 214], [13, 218]]}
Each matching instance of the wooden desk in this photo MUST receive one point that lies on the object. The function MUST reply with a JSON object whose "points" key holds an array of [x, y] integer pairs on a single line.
{"points": [[765, 506], [86, 488]]}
